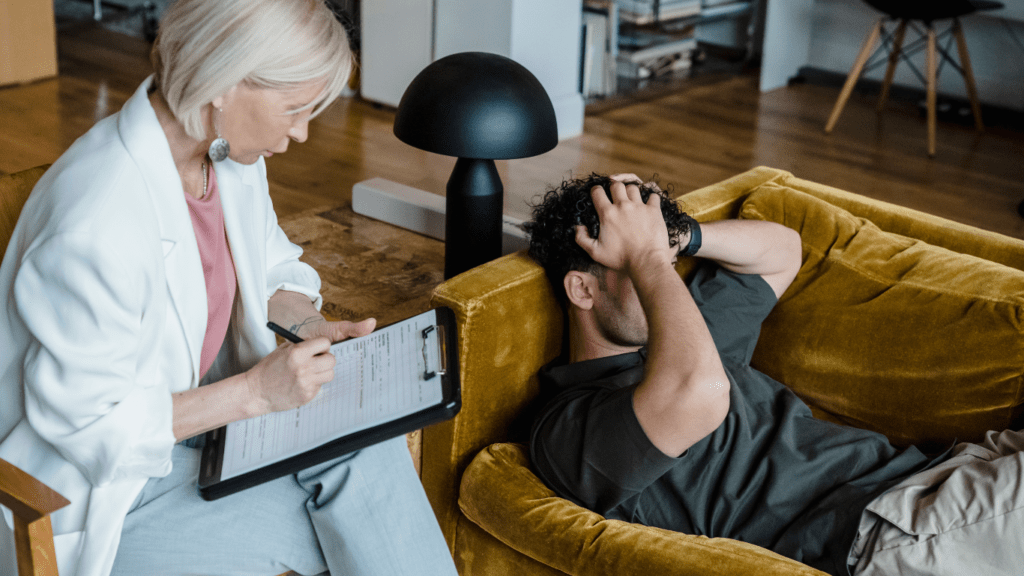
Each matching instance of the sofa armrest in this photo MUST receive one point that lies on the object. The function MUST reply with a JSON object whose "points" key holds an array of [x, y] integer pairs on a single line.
{"points": [[501, 494], [509, 325]]}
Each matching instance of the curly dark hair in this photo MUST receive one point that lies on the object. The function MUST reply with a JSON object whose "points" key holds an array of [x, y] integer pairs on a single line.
{"points": [[553, 227]]}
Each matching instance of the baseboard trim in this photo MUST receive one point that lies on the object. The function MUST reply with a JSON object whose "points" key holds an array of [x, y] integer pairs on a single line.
{"points": [[421, 211], [951, 108]]}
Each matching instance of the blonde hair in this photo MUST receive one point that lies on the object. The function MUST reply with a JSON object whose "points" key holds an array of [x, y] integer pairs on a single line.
{"points": [[205, 47]]}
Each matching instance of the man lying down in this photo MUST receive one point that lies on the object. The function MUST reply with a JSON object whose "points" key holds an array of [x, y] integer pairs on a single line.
{"points": [[658, 418]]}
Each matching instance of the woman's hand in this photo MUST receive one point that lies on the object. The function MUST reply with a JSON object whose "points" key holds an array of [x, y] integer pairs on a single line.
{"points": [[287, 378], [335, 331], [290, 376], [296, 314]]}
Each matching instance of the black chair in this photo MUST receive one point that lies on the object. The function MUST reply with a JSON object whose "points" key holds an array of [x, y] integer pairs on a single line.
{"points": [[919, 16]]}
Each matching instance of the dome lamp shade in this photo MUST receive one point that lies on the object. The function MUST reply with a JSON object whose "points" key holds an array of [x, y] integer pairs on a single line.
{"points": [[477, 105]]}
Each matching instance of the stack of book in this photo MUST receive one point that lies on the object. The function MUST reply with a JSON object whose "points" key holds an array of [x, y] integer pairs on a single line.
{"points": [[650, 11], [646, 53], [713, 3], [716, 8]]}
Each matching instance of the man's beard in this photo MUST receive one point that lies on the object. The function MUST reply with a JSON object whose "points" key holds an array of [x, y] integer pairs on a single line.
{"points": [[617, 329]]}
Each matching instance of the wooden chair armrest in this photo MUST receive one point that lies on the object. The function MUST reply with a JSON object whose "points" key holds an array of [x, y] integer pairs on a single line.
{"points": [[32, 502], [28, 498]]}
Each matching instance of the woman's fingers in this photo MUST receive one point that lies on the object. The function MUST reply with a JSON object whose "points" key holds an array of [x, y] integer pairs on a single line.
{"points": [[338, 331], [292, 375], [313, 346]]}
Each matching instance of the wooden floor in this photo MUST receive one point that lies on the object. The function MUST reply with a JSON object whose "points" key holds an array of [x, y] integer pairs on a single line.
{"points": [[690, 138]]}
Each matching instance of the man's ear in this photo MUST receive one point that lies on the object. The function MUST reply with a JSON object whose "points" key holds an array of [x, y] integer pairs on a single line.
{"points": [[580, 287]]}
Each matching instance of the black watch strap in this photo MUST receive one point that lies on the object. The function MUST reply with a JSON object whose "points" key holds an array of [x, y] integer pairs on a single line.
{"points": [[694, 244]]}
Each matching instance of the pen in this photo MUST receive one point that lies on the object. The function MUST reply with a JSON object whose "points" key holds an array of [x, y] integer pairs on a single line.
{"points": [[284, 333]]}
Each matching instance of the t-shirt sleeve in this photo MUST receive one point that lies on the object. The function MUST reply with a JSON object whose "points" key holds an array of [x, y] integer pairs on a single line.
{"points": [[588, 446], [734, 306]]}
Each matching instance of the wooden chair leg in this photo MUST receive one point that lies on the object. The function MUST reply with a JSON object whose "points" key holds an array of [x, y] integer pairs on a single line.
{"points": [[851, 80], [965, 62], [33, 542], [931, 90], [894, 58]]}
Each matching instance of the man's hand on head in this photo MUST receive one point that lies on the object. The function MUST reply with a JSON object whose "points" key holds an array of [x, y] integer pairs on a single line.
{"points": [[632, 234], [626, 178], [630, 178]]}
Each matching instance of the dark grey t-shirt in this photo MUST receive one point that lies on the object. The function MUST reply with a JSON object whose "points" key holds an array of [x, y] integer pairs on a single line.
{"points": [[770, 475]]}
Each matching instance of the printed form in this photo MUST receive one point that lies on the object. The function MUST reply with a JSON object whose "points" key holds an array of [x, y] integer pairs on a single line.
{"points": [[377, 378]]}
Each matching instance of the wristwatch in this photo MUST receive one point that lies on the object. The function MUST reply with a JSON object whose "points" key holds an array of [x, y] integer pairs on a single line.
{"points": [[694, 244]]}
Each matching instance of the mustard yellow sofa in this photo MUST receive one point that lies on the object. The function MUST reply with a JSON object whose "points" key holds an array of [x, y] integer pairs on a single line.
{"points": [[899, 322]]}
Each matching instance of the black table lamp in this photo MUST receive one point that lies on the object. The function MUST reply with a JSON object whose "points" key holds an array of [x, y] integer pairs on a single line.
{"points": [[478, 107]]}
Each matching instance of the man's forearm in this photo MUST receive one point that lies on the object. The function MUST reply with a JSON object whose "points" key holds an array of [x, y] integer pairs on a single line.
{"points": [[770, 250], [685, 393]]}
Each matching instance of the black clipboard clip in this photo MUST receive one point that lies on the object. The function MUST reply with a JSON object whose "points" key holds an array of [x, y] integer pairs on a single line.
{"points": [[442, 356]]}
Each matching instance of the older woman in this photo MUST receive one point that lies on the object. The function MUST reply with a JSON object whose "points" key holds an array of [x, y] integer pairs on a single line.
{"points": [[139, 282]]}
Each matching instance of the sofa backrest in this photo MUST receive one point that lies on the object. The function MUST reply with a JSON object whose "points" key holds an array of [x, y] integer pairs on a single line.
{"points": [[889, 333]]}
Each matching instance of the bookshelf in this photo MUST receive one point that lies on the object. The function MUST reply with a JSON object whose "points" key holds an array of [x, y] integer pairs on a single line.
{"points": [[641, 39]]}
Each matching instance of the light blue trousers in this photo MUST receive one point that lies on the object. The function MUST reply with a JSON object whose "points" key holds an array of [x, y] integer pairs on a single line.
{"points": [[362, 514]]}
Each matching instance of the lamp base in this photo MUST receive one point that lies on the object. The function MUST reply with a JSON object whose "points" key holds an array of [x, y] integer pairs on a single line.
{"points": [[473, 206]]}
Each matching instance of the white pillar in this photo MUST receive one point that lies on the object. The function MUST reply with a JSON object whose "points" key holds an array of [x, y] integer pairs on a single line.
{"points": [[542, 35]]}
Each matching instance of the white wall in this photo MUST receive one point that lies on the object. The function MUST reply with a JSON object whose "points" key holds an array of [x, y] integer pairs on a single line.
{"points": [[547, 39], [996, 47], [542, 35], [401, 37], [397, 42], [473, 25]]}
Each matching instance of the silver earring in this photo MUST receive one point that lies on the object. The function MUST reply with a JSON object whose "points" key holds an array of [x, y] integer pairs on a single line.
{"points": [[219, 148]]}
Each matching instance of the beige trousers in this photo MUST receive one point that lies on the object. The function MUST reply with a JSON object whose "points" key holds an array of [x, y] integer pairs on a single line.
{"points": [[965, 516]]}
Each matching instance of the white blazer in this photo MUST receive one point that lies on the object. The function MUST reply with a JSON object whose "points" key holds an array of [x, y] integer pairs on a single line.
{"points": [[105, 318]]}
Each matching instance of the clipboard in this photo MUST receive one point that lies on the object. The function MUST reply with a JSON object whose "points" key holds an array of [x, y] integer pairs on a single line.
{"points": [[395, 380]]}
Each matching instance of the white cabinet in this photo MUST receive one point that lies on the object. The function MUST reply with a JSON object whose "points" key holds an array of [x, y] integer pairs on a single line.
{"points": [[28, 45], [397, 42], [401, 37]]}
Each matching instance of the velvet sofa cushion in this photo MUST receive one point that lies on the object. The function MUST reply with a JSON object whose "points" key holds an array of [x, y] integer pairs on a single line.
{"points": [[889, 333], [501, 494]]}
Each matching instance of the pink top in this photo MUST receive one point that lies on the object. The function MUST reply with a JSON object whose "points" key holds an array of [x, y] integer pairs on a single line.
{"points": [[218, 268]]}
